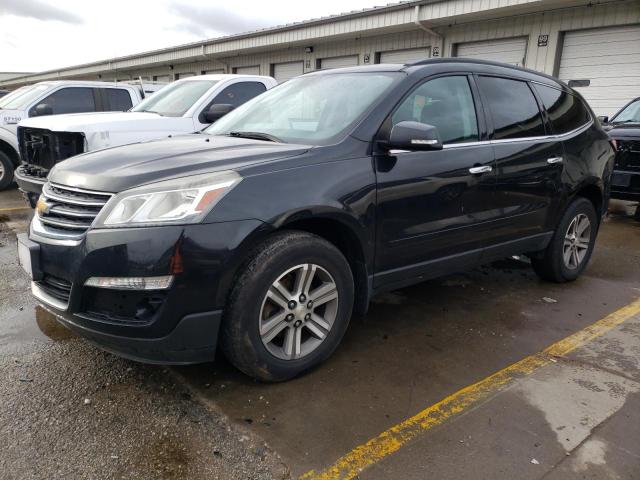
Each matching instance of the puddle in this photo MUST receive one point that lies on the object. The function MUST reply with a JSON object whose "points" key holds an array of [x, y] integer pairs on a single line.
{"points": [[50, 327]]}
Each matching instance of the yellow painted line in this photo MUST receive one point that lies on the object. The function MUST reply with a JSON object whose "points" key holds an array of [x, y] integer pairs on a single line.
{"points": [[391, 440], [14, 209]]}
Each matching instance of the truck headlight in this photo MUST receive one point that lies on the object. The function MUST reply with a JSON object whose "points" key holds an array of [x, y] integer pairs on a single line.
{"points": [[177, 201]]}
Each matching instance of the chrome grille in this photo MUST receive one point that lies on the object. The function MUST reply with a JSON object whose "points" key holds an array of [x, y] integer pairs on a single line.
{"points": [[69, 210], [628, 155]]}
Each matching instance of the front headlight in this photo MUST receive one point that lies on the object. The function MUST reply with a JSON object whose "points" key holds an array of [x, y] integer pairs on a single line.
{"points": [[177, 201]]}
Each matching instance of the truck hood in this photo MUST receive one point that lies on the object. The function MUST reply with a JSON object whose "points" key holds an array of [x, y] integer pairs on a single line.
{"points": [[121, 168], [625, 131], [100, 122]]}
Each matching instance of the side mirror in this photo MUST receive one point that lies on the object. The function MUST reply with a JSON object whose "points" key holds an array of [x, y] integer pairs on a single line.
{"points": [[217, 111], [603, 119], [414, 136], [43, 109]]}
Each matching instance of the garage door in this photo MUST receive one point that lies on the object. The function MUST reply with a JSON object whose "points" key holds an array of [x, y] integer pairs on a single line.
{"points": [[186, 75], [337, 62], [608, 61], [285, 71], [213, 72], [510, 50], [410, 55], [252, 70]]}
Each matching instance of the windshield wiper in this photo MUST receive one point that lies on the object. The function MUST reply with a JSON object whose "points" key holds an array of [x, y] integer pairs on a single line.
{"points": [[256, 136]]}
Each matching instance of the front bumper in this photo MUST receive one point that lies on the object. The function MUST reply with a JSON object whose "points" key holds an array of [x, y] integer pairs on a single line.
{"points": [[625, 185], [178, 325], [29, 185]]}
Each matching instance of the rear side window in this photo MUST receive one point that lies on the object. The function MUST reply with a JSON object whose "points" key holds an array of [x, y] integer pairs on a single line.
{"points": [[512, 107], [119, 100], [447, 104], [566, 112], [71, 100]]}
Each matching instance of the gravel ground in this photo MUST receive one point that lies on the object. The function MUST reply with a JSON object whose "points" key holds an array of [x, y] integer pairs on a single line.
{"points": [[69, 410]]}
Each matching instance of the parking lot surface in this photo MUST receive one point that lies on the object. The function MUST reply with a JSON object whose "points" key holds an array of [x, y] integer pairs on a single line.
{"points": [[434, 352]]}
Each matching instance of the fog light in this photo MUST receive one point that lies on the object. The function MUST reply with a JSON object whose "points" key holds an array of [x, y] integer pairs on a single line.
{"points": [[131, 283]]}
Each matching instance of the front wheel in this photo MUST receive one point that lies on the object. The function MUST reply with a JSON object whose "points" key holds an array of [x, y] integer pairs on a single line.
{"points": [[6, 171], [570, 249], [289, 308]]}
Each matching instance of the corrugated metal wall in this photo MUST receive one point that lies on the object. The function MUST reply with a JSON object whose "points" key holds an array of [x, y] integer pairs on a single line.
{"points": [[384, 29]]}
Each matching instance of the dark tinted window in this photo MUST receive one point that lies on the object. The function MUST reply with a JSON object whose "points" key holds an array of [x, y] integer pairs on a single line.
{"points": [[235, 95], [565, 111], [239, 93], [71, 100], [513, 108], [447, 104], [119, 100]]}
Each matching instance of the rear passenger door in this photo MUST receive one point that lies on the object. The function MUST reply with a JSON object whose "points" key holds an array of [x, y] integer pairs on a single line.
{"points": [[528, 160]]}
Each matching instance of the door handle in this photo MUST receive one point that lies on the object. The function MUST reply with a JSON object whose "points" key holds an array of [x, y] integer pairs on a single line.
{"points": [[483, 169], [554, 160]]}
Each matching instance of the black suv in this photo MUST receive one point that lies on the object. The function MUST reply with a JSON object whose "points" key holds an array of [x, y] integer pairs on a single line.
{"points": [[624, 128], [267, 230]]}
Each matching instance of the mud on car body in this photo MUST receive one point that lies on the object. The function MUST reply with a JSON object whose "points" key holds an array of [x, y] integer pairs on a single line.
{"points": [[263, 234]]}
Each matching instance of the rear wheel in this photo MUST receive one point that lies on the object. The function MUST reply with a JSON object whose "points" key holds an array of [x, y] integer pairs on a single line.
{"points": [[289, 307], [572, 244], [6, 171]]}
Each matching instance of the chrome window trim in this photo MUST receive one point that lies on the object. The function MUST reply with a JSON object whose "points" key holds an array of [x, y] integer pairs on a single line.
{"points": [[47, 299]]}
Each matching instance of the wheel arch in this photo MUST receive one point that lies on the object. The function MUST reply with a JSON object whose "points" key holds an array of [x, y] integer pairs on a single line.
{"points": [[334, 228], [9, 151], [595, 194]]}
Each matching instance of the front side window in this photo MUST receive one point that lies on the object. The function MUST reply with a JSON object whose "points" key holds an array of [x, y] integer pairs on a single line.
{"points": [[447, 104], [566, 112], [70, 100], [312, 109], [513, 108], [630, 113], [176, 98], [235, 95], [119, 99]]}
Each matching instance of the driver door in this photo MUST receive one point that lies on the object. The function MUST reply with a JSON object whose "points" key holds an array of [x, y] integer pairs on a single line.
{"points": [[431, 204]]}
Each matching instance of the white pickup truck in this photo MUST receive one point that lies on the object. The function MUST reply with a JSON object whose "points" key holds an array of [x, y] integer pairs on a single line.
{"points": [[182, 107], [59, 97]]}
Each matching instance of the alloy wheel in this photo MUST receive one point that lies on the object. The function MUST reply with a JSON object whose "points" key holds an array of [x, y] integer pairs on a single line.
{"points": [[576, 241], [298, 311]]}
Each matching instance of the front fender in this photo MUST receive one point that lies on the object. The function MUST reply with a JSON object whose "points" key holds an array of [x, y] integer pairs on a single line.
{"points": [[11, 139]]}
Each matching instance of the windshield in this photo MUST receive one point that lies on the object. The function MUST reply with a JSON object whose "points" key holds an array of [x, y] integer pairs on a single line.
{"points": [[314, 109], [23, 98], [7, 98], [631, 113], [176, 98]]}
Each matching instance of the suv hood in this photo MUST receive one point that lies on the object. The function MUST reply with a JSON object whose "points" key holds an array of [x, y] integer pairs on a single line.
{"points": [[625, 131], [100, 122], [120, 168]]}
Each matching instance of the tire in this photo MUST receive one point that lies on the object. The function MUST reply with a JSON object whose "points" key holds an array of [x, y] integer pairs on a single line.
{"points": [[285, 258], [6, 171], [554, 265]]}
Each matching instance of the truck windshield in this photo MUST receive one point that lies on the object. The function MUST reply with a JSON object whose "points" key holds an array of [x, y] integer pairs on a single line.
{"points": [[314, 109], [631, 113], [176, 98], [24, 98]]}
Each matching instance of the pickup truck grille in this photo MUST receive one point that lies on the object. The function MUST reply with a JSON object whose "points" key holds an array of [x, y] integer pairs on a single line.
{"points": [[628, 155], [70, 210], [41, 149]]}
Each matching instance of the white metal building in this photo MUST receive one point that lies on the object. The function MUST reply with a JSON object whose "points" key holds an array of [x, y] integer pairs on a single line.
{"points": [[595, 45]]}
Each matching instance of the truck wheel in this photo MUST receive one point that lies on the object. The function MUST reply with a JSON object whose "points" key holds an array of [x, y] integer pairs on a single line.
{"points": [[570, 249], [6, 171], [289, 307]]}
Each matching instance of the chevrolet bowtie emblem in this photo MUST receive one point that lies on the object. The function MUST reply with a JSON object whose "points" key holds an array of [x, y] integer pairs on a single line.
{"points": [[42, 207]]}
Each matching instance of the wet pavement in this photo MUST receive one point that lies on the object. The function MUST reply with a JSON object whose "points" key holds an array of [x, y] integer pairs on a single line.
{"points": [[577, 418]]}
